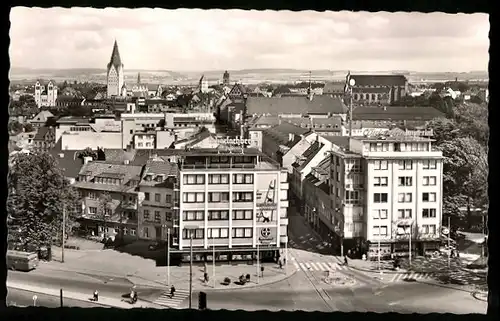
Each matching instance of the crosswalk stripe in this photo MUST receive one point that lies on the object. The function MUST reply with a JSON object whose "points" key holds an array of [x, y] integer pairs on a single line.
{"points": [[320, 265], [296, 264], [314, 266], [302, 266], [308, 266], [332, 266], [165, 299], [325, 266]]}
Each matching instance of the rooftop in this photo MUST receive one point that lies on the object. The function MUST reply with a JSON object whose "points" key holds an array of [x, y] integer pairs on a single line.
{"points": [[102, 168], [379, 80], [396, 113], [294, 105]]}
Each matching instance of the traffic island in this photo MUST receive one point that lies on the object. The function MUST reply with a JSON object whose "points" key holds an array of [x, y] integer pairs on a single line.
{"points": [[340, 281]]}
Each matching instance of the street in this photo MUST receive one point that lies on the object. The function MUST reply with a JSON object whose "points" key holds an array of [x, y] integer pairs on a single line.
{"points": [[306, 290]]}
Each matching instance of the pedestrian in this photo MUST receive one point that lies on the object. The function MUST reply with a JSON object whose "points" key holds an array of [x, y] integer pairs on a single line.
{"points": [[172, 291], [284, 261], [205, 277], [205, 268], [345, 261], [280, 263]]}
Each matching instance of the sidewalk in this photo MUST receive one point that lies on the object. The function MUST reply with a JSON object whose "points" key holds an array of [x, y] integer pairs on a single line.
{"points": [[103, 301], [144, 272]]}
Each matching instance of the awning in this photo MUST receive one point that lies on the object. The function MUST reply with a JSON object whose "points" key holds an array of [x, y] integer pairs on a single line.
{"points": [[225, 249]]}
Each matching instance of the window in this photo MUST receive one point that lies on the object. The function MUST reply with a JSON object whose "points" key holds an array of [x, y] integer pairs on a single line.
{"points": [[146, 232], [404, 197], [380, 181], [193, 215], [242, 196], [428, 197], [168, 198], [159, 179], [351, 197], [218, 179], [242, 232], [380, 230], [338, 176], [157, 197], [428, 212], [405, 164], [242, 178], [132, 231], [380, 214], [403, 230], [92, 195], [429, 229], [404, 213], [146, 215], [146, 196], [380, 165], [380, 197], [218, 215], [429, 181], [430, 164], [194, 179], [194, 197], [405, 180], [108, 212], [242, 214], [157, 216], [92, 210], [218, 197], [196, 233], [217, 233], [379, 147]]}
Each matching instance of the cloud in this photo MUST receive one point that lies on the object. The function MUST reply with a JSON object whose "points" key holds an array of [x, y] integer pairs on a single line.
{"points": [[236, 39]]}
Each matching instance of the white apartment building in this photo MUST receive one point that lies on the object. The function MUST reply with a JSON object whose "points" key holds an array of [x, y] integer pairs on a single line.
{"points": [[389, 190], [233, 201]]}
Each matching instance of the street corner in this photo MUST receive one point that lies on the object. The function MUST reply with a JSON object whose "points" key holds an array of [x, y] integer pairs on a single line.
{"points": [[480, 296]]}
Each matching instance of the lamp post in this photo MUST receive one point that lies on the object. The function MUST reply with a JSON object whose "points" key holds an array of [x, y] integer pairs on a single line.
{"points": [[213, 260], [190, 269], [258, 261], [168, 254]]}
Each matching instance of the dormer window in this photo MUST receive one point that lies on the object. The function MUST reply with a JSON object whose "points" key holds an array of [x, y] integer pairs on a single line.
{"points": [[159, 179], [148, 178]]}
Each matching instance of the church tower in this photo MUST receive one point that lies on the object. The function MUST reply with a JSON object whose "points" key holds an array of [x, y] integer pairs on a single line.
{"points": [[225, 79], [115, 76]]}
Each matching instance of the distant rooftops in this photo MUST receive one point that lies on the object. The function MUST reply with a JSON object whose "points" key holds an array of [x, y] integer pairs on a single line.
{"points": [[294, 105]]}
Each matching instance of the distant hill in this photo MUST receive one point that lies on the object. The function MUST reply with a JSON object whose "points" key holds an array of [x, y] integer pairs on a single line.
{"points": [[246, 76]]}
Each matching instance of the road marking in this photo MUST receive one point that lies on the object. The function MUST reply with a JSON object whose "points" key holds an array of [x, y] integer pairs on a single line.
{"points": [[308, 266], [302, 266], [296, 265], [314, 266], [333, 266], [166, 300], [410, 275], [321, 267]]}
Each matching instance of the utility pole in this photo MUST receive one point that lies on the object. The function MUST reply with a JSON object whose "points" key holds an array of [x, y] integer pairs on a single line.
{"points": [[409, 242], [286, 255], [213, 260], [190, 270], [380, 271], [63, 233], [258, 262], [168, 256], [449, 249]]}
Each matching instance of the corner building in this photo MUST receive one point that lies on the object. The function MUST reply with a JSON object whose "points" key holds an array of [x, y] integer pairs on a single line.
{"points": [[389, 189], [231, 202]]}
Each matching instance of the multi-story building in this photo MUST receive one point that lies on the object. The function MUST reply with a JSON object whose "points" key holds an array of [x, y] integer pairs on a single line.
{"points": [[233, 200], [379, 89], [156, 213], [388, 189], [110, 197], [45, 94], [44, 139]]}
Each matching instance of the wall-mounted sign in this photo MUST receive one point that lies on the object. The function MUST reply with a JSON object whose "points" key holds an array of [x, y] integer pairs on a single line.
{"points": [[266, 234]]}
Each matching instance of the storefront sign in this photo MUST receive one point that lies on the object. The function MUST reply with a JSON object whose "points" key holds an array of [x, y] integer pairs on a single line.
{"points": [[236, 142]]}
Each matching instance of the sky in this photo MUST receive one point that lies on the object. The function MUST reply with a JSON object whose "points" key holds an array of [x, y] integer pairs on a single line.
{"points": [[202, 40]]}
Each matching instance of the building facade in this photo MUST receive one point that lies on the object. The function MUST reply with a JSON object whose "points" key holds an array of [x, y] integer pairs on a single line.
{"points": [[45, 94], [110, 198], [234, 201], [379, 89], [115, 73], [389, 189]]}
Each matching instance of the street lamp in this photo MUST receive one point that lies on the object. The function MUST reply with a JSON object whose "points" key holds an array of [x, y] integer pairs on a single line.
{"points": [[191, 232], [168, 253]]}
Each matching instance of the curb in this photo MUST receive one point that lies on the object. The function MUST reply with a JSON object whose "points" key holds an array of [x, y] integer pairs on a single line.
{"points": [[253, 285], [478, 296], [27, 289]]}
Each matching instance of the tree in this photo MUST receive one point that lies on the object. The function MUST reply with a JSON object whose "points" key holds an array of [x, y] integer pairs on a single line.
{"points": [[15, 127], [103, 209], [28, 127], [444, 129], [465, 175], [38, 192], [87, 152], [473, 121]]}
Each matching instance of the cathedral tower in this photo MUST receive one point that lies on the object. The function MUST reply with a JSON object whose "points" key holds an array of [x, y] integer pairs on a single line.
{"points": [[115, 76]]}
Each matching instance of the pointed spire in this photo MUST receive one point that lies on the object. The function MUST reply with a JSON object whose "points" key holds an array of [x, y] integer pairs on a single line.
{"points": [[115, 57], [138, 78]]}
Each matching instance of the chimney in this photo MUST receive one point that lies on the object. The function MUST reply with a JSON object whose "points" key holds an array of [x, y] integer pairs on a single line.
{"points": [[126, 162], [87, 159]]}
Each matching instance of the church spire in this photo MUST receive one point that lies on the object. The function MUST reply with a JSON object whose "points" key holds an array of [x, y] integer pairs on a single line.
{"points": [[138, 78], [115, 57]]}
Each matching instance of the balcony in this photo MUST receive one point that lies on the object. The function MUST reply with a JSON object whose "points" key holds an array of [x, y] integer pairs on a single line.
{"points": [[284, 186], [284, 221], [267, 206]]}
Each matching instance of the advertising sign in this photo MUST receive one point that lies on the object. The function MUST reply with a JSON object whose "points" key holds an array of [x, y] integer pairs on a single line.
{"points": [[235, 142], [266, 234]]}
